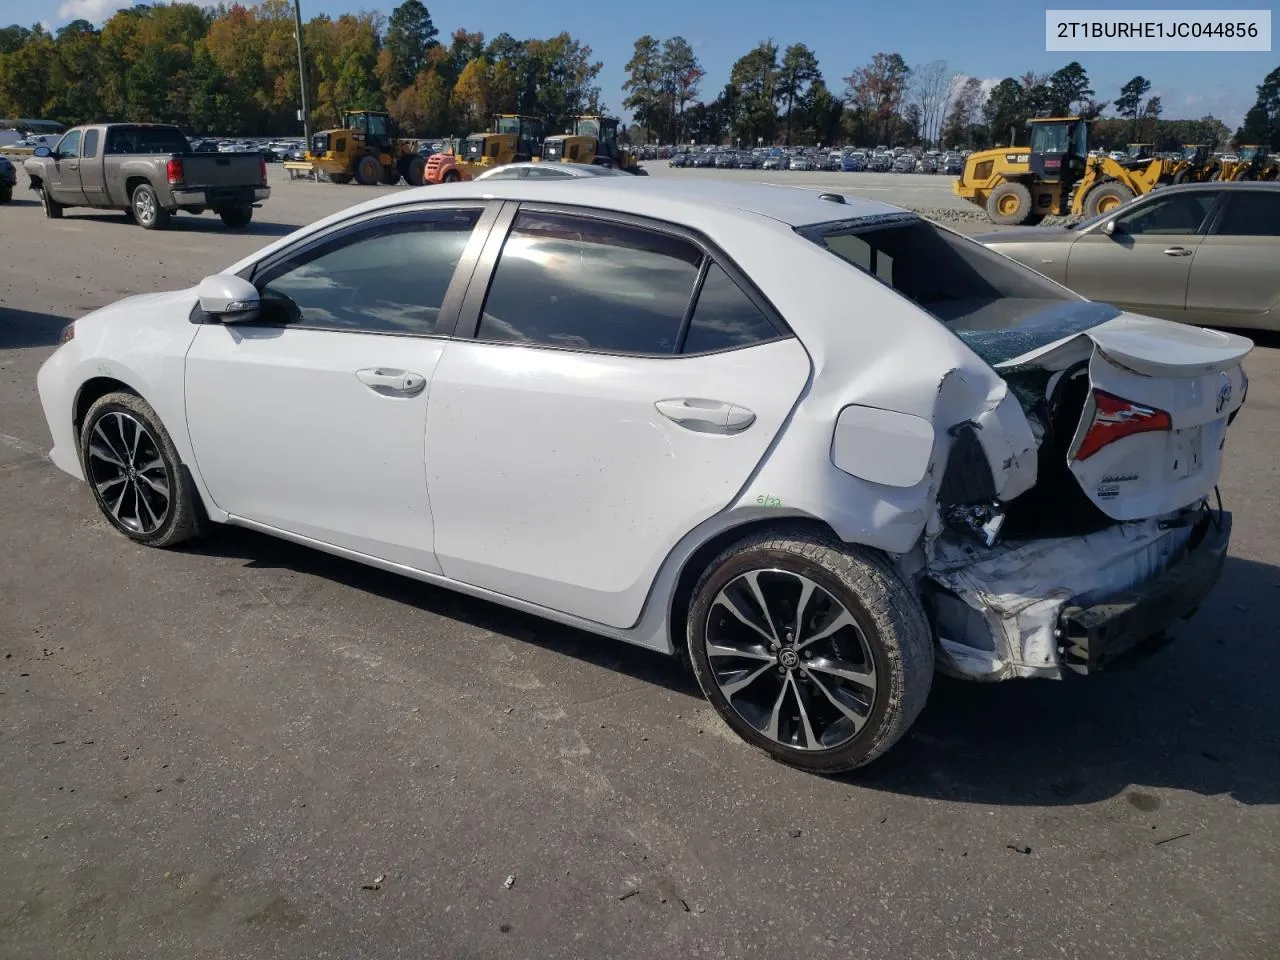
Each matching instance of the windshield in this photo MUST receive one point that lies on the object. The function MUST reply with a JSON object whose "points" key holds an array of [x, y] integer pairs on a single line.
{"points": [[508, 125], [998, 307]]}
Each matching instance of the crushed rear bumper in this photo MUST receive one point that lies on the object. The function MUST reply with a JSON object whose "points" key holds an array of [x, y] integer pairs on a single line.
{"points": [[1094, 635], [1070, 605]]}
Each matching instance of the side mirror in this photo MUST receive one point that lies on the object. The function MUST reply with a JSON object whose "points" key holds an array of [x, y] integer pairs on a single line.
{"points": [[42, 151], [1109, 228], [229, 299]]}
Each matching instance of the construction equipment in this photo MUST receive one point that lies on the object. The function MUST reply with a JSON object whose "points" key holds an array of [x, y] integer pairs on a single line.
{"points": [[1253, 162], [594, 140], [1196, 165], [1054, 176], [513, 139], [368, 149]]}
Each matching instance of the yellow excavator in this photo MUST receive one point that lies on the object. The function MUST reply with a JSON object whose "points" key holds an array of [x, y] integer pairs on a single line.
{"points": [[1054, 176], [594, 140], [366, 148]]}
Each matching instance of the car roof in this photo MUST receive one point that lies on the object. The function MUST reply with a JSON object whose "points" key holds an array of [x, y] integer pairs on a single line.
{"points": [[1215, 185]]}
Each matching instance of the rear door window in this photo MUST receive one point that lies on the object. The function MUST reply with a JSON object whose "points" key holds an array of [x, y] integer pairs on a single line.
{"points": [[589, 284], [90, 149], [1250, 213]]}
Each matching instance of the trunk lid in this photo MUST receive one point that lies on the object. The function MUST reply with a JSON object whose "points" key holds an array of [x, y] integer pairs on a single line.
{"points": [[1160, 396]]}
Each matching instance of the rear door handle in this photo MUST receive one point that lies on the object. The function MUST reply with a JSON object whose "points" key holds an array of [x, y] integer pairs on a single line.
{"points": [[1177, 252], [706, 416], [392, 382]]}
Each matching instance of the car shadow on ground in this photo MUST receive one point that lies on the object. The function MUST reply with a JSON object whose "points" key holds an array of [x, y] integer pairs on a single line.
{"points": [[187, 223], [261, 551], [1200, 715], [23, 328]]}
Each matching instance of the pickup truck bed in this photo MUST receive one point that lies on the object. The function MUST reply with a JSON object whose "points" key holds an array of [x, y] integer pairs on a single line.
{"points": [[147, 170]]}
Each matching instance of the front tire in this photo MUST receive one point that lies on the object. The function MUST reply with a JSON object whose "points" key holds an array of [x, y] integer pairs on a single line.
{"points": [[147, 211], [135, 473], [6, 194], [811, 650], [368, 171]]}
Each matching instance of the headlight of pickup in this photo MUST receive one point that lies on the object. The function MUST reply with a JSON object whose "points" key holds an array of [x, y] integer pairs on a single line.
{"points": [[68, 334]]}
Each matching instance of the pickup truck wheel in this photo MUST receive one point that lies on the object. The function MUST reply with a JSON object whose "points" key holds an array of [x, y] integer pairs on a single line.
{"points": [[52, 208], [236, 217], [147, 210]]}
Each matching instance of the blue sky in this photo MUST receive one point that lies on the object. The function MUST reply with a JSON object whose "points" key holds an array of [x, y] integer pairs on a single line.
{"points": [[992, 41]]}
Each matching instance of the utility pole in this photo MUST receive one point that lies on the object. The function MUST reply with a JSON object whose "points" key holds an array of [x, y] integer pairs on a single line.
{"points": [[305, 112]]}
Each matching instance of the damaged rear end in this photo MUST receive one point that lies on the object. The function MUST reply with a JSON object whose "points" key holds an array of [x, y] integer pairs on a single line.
{"points": [[1079, 518]]}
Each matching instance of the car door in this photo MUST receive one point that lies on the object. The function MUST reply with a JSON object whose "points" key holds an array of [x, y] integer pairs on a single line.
{"points": [[1144, 266], [1234, 277], [622, 384], [63, 178], [312, 419], [92, 184]]}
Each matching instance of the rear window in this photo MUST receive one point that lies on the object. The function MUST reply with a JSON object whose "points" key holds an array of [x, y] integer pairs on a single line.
{"points": [[146, 140], [1000, 308]]}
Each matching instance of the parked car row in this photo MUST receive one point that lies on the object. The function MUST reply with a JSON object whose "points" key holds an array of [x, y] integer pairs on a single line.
{"points": [[879, 160], [273, 151]]}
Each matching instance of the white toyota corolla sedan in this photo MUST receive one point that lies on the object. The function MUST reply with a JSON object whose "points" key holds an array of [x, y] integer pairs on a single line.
{"points": [[817, 445]]}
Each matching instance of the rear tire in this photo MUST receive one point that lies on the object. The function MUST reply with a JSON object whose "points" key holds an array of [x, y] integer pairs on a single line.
{"points": [[795, 704], [415, 174], [6, 194], [1105, 198], [135, 473], [368, 171], [236, 217], [451, 176], [147, 211], [1009, 204], [339, 178], [52, 208]]}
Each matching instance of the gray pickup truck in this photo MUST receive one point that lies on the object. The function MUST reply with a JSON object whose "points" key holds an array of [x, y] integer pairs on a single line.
{"points": [[147, 170]]}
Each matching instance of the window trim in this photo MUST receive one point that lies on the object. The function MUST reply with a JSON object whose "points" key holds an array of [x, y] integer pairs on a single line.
{"points": [[1219, 213], [335, 234], [468, 323]]}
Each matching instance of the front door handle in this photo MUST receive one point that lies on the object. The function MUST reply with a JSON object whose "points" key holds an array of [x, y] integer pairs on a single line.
{"points": [[706, 416], [391, 382], [1177, 252]]}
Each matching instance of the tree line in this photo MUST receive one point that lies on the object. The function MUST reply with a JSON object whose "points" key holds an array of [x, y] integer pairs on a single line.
{"points": [[233, 70], [779, 95]]}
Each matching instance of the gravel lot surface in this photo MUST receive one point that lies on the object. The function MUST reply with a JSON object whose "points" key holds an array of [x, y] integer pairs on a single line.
{"points": [[245, 749]]}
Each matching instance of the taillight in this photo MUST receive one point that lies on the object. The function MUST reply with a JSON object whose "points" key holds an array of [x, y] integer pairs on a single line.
{"points": [[173, 170], [1115, 418], [262, 168]]}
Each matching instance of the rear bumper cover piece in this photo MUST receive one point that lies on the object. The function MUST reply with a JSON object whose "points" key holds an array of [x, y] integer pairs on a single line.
{"points": [[1059, 606], [1093, 635]]}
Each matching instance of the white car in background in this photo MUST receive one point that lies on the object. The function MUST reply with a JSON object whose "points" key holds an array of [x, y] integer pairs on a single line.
{"points": [[549, 171], [817, 444]]}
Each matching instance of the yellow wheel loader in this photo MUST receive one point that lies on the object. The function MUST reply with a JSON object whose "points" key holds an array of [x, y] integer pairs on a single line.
{"points": [[1196, 165], [367, 149], [1054, 176], [594, 140], [1253, 162]]}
